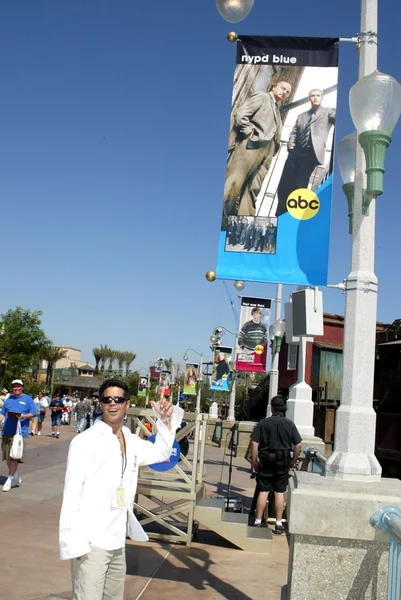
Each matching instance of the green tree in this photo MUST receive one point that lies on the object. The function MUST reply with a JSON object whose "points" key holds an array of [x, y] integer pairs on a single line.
{"points": [[120, 358], [129, 359], [23, 341], [110, 357], [104, 354], [132, 381], [169, 363], [52, 354]]}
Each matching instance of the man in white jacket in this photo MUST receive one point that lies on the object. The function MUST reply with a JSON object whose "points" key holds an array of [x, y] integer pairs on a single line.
{"points": [[99, 492]]}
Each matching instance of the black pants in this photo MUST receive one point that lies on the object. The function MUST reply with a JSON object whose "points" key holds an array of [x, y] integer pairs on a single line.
{"points": [[296, 174]]}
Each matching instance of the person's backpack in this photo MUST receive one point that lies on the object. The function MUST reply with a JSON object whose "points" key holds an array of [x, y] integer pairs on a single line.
{"points": [[97, 411]]}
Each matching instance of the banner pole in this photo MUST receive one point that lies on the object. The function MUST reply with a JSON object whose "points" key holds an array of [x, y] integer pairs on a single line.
{"points": [[147, 389], [354, 441], [274, 373], [199, 392], [231, 406]]}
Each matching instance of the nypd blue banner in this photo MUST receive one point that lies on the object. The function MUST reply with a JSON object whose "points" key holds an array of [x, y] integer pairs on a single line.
{"points": [[278, 187]]}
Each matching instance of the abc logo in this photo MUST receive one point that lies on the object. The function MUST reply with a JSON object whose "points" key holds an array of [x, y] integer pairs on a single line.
{"points": [[303, 204]]}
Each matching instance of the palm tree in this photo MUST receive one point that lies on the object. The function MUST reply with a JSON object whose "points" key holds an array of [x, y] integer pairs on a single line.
{"points": [[179, 373], [120, 358], [104, 352], [52, 354], [129, 358], [169, 364], [111, 355], [97, 353]]}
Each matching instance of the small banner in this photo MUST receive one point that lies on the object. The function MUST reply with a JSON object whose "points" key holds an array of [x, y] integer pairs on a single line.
{"points": [[142, 385], [253, 335], [190, 379], [277, 195], [220, 380], [163, 389]]}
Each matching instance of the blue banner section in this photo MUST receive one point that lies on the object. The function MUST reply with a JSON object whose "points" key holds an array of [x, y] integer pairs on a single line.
{"points": [[302, 250], [169, 464], [275, 224]]}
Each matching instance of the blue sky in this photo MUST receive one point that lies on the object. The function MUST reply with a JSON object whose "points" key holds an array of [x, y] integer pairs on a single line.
{"points": [[114, 132]]}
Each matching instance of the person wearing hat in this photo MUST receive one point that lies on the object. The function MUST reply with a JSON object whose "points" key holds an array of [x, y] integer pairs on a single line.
{"points": [[275, 447], [18, 407]]}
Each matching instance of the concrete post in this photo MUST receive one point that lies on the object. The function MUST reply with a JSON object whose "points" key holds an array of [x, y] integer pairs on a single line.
{"points": [[354, 443], [300, 406]]}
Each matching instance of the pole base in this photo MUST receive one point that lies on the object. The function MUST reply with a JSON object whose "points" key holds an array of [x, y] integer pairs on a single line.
{"points": [[353, 466]]}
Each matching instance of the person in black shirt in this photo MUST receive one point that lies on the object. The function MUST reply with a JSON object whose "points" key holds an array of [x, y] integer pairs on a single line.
{"points": [[56, 407], [273, 441]]}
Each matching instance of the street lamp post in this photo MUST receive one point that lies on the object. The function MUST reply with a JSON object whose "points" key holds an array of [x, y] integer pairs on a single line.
{"points": [[199, 382], [147, 389], [354, 443], [159, 364], [215, 339], [274, 373], [147, 370], [276, 332], [3, 365]]}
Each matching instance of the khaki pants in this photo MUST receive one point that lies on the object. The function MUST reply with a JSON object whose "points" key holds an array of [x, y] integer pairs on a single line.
{"points": [[99, 575]]}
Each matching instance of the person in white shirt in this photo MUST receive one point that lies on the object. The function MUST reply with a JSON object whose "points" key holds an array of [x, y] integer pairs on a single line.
{"points": [[99, 492], [41, 413]]}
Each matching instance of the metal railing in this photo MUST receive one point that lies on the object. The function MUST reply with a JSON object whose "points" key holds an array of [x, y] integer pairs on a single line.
{"points": [[166, 501], [388, 519]]}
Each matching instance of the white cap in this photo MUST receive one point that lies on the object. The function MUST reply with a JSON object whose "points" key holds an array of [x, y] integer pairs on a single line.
{"points": [[17, 382]]}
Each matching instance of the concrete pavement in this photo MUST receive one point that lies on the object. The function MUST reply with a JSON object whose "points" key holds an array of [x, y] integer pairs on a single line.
{"points": [[211, 569]]}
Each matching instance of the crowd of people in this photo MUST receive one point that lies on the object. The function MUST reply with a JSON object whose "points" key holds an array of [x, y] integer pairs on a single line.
{"points": [[61, 409], [251, 234]]}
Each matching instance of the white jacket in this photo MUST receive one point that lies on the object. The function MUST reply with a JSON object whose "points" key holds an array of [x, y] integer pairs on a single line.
{"points": [[94, 473]]}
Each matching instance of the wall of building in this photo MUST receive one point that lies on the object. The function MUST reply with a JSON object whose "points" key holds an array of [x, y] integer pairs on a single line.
{"points": [[333, 333], [73, 357]]}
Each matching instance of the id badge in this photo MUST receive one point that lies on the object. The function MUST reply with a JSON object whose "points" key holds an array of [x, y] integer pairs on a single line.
{"points": [[119, 498]]}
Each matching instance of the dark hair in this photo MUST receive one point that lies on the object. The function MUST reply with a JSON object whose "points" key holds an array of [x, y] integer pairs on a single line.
{"points": [[255, 310], [113, 383], [279, 404]]}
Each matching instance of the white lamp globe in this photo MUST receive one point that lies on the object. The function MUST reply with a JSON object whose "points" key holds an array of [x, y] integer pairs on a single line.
{"points": [[278, 328], [347, 156], [375, 103], [234, 11]]}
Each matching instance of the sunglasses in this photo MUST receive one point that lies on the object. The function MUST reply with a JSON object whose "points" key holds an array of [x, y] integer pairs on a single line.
{"points": [[117, 399]]}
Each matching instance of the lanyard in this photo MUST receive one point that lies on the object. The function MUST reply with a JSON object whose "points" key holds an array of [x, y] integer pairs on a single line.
{"points": [[123, 460]]}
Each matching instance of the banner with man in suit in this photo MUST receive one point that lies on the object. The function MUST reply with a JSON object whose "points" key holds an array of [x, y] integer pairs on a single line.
{"points": [[278, 186]]}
